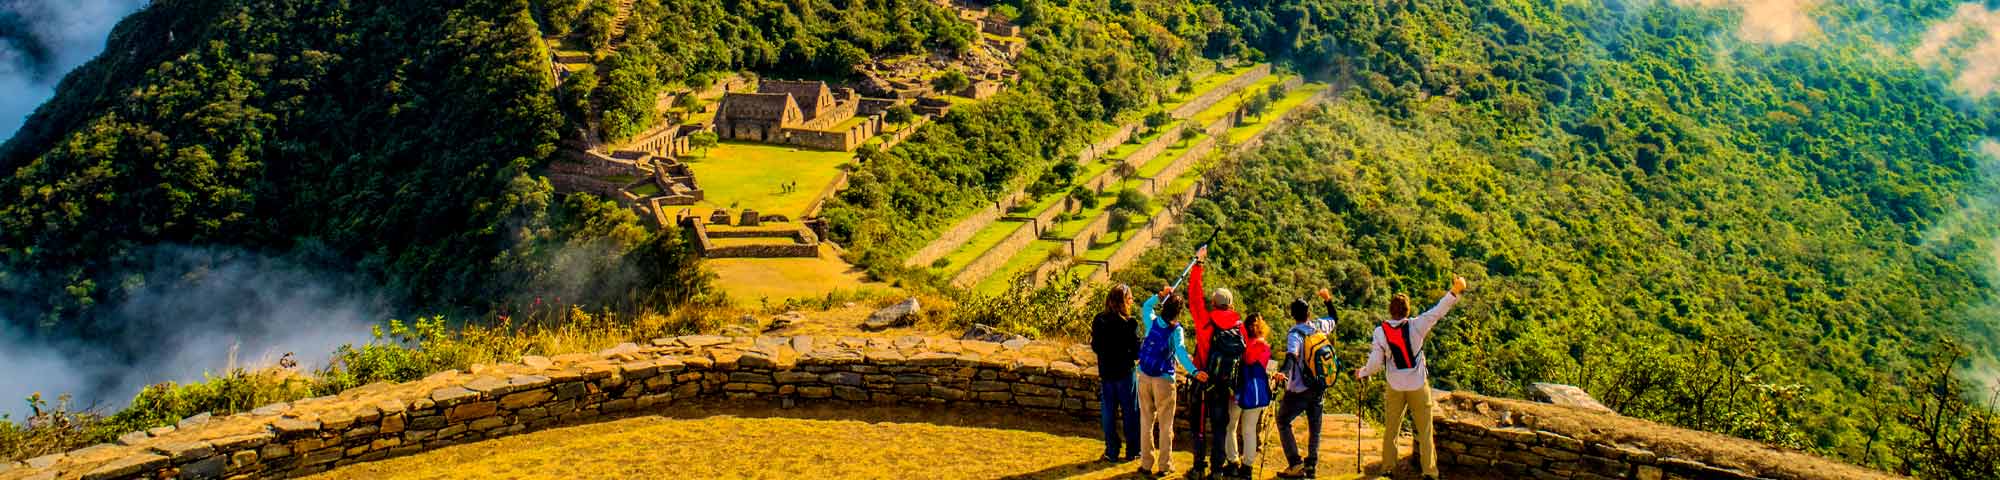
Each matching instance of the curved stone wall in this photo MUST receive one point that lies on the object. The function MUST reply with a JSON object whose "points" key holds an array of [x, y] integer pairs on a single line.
{"points": [[386, 420], [1532, 440]]}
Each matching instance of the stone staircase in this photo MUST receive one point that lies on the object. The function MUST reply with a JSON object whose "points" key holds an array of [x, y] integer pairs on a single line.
{"points": [[618, 22]]}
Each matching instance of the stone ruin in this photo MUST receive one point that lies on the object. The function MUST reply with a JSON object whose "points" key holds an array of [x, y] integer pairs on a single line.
{"points": [[720, 217], [749, 218]]}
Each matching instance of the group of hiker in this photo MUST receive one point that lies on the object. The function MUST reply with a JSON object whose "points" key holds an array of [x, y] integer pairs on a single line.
{"points": [[1142, 361]]}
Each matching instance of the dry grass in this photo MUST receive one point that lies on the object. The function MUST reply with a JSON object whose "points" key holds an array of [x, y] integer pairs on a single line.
{"points": [[710, 440], [822, 442], [760, 281]]}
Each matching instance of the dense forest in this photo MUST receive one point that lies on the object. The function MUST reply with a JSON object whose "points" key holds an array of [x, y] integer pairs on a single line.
{"points": [[1776, 241], [398, 140]]}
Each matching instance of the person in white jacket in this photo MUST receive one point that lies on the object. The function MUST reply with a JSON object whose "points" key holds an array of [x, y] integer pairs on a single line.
{"points": [[1398, 350]]}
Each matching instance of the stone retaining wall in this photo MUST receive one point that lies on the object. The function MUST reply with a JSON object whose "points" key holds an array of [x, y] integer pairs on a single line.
{"points": [[961, 232], [956, 236], [1117, 137], [1208, 99], [996, 257], [1180, 165], [388, 420], [1525, 440]]}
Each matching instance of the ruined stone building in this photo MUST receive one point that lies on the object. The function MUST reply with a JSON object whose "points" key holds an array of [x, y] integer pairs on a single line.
{"points": [[800, 113]]}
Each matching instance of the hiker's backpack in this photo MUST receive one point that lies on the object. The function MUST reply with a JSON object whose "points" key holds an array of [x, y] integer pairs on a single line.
{"points": [[1402, 353], [1225, 357], [1156, 355], [1317, 365]]}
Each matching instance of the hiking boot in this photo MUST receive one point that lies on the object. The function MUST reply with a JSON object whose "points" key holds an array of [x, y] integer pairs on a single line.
{"points": [[1297, 470], [1430, 476]]}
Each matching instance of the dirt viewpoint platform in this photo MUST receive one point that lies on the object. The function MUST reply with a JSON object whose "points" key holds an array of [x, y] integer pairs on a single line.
{"points": [[731, 441]]}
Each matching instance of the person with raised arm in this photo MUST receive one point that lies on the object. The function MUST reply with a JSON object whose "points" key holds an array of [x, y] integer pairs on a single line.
{"points": [[1307, 369], [1218, 352], [1398, 351], [1162, 348]]}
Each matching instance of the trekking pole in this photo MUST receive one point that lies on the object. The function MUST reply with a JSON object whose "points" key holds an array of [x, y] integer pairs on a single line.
{"points": [[1189, 269], [1357, 425]]}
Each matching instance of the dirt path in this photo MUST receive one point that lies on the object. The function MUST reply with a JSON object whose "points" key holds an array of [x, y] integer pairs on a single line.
{"points": [[826, 441]]}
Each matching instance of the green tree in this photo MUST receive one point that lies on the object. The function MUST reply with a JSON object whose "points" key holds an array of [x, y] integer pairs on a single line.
{"points": [[704, 140], [951, 82]]}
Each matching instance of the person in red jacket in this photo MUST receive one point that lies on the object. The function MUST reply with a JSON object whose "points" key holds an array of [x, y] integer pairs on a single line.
{"points": [[1212, 398]]}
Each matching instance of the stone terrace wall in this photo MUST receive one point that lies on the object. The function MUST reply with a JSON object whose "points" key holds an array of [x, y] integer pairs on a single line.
{"points": [[1180, 165], [1143, 238], [387, 420], [1118, 137], [996, 257], [961, 232], [1526, 440], [1208, 99]]}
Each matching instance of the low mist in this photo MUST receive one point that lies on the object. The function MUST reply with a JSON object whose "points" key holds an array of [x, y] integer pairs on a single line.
{"points": [[196, 303], [42, 40]]}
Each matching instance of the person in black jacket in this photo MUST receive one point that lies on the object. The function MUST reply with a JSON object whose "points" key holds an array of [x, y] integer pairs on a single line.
{"points": [[1114, 335]]}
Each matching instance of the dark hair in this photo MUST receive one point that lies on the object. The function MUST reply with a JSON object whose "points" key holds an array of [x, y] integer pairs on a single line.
{"points": [[1115, 302], [1258, 320], [1171, 309], [1399, 307], [1300, 310]]}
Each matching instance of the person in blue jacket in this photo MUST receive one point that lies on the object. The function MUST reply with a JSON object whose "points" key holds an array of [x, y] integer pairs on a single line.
{"points": [[1162, 347]]}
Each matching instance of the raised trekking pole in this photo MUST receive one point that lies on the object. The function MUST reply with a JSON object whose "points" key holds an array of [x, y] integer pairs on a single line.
{"points": [[1189, 269]]}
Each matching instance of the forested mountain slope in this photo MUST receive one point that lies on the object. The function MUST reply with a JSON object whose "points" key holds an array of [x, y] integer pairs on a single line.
{"points": [[1772, 240], [392, 139]]}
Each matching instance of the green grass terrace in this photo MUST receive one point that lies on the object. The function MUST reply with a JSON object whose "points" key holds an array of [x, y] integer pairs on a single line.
{"points": [[980, 242], [1222, 108], [737, 175], [1293, 99]]}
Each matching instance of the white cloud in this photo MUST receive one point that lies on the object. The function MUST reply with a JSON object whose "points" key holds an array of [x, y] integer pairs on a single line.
{"points": [[1768, 21]]}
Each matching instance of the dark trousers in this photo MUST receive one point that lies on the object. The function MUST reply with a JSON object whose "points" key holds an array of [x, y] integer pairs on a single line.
{"points": [[1197, 408], [1118, 399], [1215, 409], [1310, 404]]}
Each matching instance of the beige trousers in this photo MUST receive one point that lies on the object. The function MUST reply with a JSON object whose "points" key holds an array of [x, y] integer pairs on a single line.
{"points": [[1418, 402], [1156, 423], [1240, 445]]}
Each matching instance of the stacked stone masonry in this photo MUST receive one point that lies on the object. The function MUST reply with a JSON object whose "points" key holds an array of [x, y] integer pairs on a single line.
{"points": [[383, 420], [1500, 436]]}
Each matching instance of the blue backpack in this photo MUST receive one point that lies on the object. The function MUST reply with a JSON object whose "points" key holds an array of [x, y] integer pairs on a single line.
{"points": [[1156, 355]]}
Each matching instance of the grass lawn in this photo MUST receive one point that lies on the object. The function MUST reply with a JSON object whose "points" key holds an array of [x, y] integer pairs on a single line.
{"points": [[980, 242], [1293, 99], [750, 280], [1026, 260], [1125, 149], [1094, 168], [1166, 157], [1229, 104], [1101, 250], [1082, 270], [646, 190], [751, 175]]}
